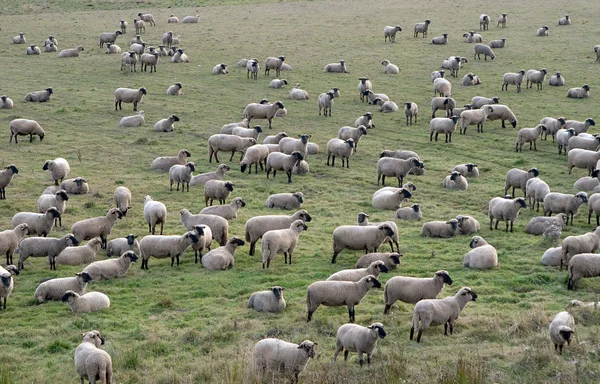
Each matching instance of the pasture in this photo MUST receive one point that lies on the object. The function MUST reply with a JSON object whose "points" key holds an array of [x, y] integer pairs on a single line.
{"points": [[188, 325]]}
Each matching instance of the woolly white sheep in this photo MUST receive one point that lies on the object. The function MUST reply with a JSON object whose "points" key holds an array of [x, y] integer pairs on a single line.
{"points": [[166, 125], [6, 103], [268, 301], [536, 77], [172, 19], [10, 239], [218, 225], [164, 163], [149, 59], [421, 28], [536, 191], [409, 213], [218, 174], [467, 225], [129, 59], [191, 19], [96, 226], [281, 240], [90, 361], [325, 101], [57, 200], [223, 257], [582, 158], [356, 338], [363, 85], [443, 87], [6, 282], [59, 169], [262, 111], [504, 209], [583, 265], [180, 57], [573, 245], [76, 186], [443, 229], [123, 26], [552, 257], [298, 94], [561, 329], [340, 148], [480, 49], [120, 245], [579, 126], [517, 178], [557, 80], [220, 69], [513, 79], [356, 237], [204, 235], [127, 95], [474, 117], [391, 260], [564, 20], [181, 174], [133, 121], [226, 143], [444, 125], [110, 269], [40, 96], [365, 120], [165, 246], [79, 255], [529, 135], [140, 26], [122, 198], [287, 201], [388, 166], [473, 37], [440, 40], [455, 181], [389, 68], [228, 211], [19, 39], [278, 357], [283, 162], [374, 269], [412, 289], [175, 89], [274, 63], [553, 126], [389, 32], [33, 50], [497, 43], [6, 176], [257, 226], [482, 256], [467, 170], [89, 302], [108, 37], [39, 224], [155, 212], [336, 67], [55, 289], [217, 190], [257, 155], [542, 31], [390, 198], [363, 220], [579, 93], [555, 202], [71, 52]]}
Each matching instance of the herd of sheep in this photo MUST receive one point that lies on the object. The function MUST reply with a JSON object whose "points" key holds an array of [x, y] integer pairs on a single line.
{"points": [[281, 233]]}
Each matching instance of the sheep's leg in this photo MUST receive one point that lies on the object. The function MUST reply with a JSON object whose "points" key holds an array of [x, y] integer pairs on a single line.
{"points": [[135, 106], [4, 306], [497, 222], [161, 228], [334, 257], [400, 179], [506, 222], [196, 257], [328, 157], [285, 255], [150, 228], [571, 220], [172, 261], [289, 175], [252, 247], [351, 314], [446, 328], [387, 310], [597, 225], [232, 153], [188, 187], [178, 260], [360, 358], [419, 335]]}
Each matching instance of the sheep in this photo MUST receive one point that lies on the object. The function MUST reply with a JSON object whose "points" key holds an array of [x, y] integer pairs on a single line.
{"points": [[467, 170], [228, 128], [422, 28], [555, 202], [10, 239], [274, 63], [71, 52], [91, 362], [579, 93], [140, 26], [96, 226], [444, 125], [120, 245], [502, 20], [597, 51], [412, 289], [440, 40], [283, 162], [581, 142], [191, 19], [167, 39], [133, 121], [165, 246], [390, 260], [389, 32], [390, 198], [482, 256], [262, 111], [218, 225], [355, 237], [19, 39], [155, 213], [467, 225], [399, 168], [503, 113], [557, 80], [457, 111], [470, 79], [6, 282], [298, 94], [437, 75], [362, 220], [374, 269], [365, 120], [583, 265], [175, 90], [268, 301], [59, 168], [442, 103], [455, 181], [587, 183], [222, 258], [454, 63], [484, 23], [497, 43], [89, 302], [257, 226], [389, 68], [223, 142], [137, 48], [385, 106], [123, 25], [281, 240], [166, 125], [336, 67], [277, 83], [562, 139], [574, 245], [40, 96], [181, 174], [340, 148], [57, 200], [536, 189], [164, 163], [172, 19], [355, 134], [363, 85], [594, 207], [33, 50], [217, 190], [437, 312], [282, 358], [287, 201], [479, 101], [561, 329], [226, 211], [149, 59], [110, 48], [505, 209], [529, 135], [564, 20], [247, 132], [552, 257], [536, 77], [112, 269], [128, 95], [443, 229], [552, 127], [472, 37], [180, 57], [39, 224], [410, 110], [51, 40], [356, 338], [6, 176], [109, 38], [76, 186], [55, 289], [129, 59], [443, 87], [409, 213], [580, 126], [371, 97], [513, 79], [218, 174], [204, 235], [6, 103], [220, 69], [325, 101], [474, 117], [582, 158], [257, 155], [542, 31]]}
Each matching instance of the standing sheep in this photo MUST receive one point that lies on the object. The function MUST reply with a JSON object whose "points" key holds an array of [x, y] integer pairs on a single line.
{"points": [[389, 166], [502, 20], [222, 258], [96, 226], [359, 339], [6, 282], [484, 22], [555, 202], [447, 126], [443, 87], [411, 110], [39, 224], [504, 209], [129, 96], [474, 117], [482, 256], [536, 77], [513, 79], [109, 38], [561, 330], [340, 148], [268, 301], [181, 174], [6, 176], [325, 102], [10, 239], [355, 134], [529, 135], [583, 265], [120, 245], [219, 227], [257, 155], [274, 63], [369, 238], [257, 226], [279, 357], [536, 189], [91, 362], [364, 85], [389, 32], [283, 162], [442, 103], [412, 289], [59, 169], [217, 190], [165, 246], [122, 198], [155, 212], [517, 178], [573, 245], [262, 111], [421, 28], [281, 240]]}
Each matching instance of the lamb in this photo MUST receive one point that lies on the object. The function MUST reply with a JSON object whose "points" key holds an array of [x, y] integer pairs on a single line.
{"points": [[129, 59], [268, 301], [580, 126], [71, 52], [355, 237], [39, 224], [90, 361], [228, 212], [220, 69], [33, 50], [140, 26], [356, 338], [444, 125], [537, 190], [298, 94], [6, 176], [579, 93], [583, 265], [482, 256], [562, 139], [6, 282], [218, 174], [513, 79], [362, 220], [257, 155], [421, 28], [479, 101], [191, 19], [277, 161], [218, 225], [281, 240], [217, 190], [442, 103], [56, 200], [338, 293], [262, 111], [409, 213], [274, 63], [40, 96], [374, 269], [128, 95], [542, 31], [59, 169], [109, 38], [155, 213], [529, 135], [19, 39], [336, 67], [277, 83], [497, 43], [564, 20], [165, 246], [10, 239], [389, 68], [287, 201], [536, 77], [180, 57], [387, 166], [164, 163], [123, 25], [582, 158], [455, 181], [390, 198], [412, 289], [389, 32], [76, 186], [97, 226], [55, 289], [340, 148], [474, 117], [172, 19], [6, 103], [175, 89], [574, 245], [502, 20], [282, 358], [443, 87], [226, 143], [555, 202], [89, 302], [365, 120], [437, 312], [120, 245], [440, 40], [257, 226], [222, 258], [504, 209]]}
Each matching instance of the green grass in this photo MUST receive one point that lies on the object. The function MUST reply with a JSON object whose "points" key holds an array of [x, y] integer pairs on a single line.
{"points": [[189, 325]]}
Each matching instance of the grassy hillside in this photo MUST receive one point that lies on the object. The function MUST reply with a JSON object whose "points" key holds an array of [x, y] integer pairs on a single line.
{"points": [[188, 325]]}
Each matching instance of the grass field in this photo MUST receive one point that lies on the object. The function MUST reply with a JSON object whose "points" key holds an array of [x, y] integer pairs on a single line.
{"points": [[188, 325]]}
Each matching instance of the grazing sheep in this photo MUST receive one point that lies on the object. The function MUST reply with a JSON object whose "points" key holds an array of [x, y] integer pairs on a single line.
{"points": [[287, 201], [480, 49], [583, 265], [561, 328], [175, 90], [298, 94], [579, 93], [228, 212], [443, 87], [268, 301], [226, 143], [281, 240], [412, 289], [91, 362], [497, 43], [180, 57], [191, 19], [389, 68], [444, 125], [257, 155], [6, 176], [19, 39], [220, 69], [536, 190], [279, 357], [39, 224], [59, 168], [482, 256], [503, 113], [89, 302], [165, 246], [340, 148], [218, 174], [71, 52], [6, 282], [164, 163], [222, 258], [440, 40], [325, 101], [437, 312], [217, 190], [579, 126], [257, 226], [33, 50], [474, 117], [505, 209], [40, 96], [6, 103], [389, 166], [479, 101], [443, 229], [128, 95], [57, 200], [455, 181], [336, 67], [76, 186], [389, 32], [55, 289], [96, 226], [574, 245], [155, 212], [421, 28], [555, 202], [552, 257], [277, 161], [120, 245], [181, 174], [166, 125], [356, 338], [10, 239], [369, 238], [582, 158], [338, 293], [109, 38], [274, 63], [529, 135], [513, 79], [390, 198], [409, 213], [262, 111], [562, 139]]}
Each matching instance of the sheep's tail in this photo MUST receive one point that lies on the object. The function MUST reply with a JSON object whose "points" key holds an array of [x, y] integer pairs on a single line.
{"points": [[247, 234], [415, 320]]}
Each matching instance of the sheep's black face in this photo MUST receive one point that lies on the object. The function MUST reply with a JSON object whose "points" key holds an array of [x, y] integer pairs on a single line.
{"points": [[45, 166], [13, 169], [473, 243], [199, 230], [362, 217], [566, 335], [299, 198], [258, 129], [193, 238], [191, 167], [381, 332], [242, 203], [5, 280], [590, 121], [132, 256], [130, 239], [513, 123], [415, 207], [388, 231], [54, 213], [446, 278], [406, 193], [454, 176], [277, 291], [86, 277], [395, 259], [175, 118], [243, 168], [534, 172], [375, 282], [73, 240], [50, 91], [229, 187], [67, 296], [305, 217], [521, 201], [473, 295], [383, 268], [238, 242]]}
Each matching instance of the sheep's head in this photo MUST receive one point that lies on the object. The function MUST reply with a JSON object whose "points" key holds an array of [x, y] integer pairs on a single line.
{"points": [[199, 230], [415, 207], [53, 212], [309, 347], [68, 294], [239, 202], [465, 35], [299, 226], [277, 292], [131, 255], [533, 172], [444, 276], [582, 196], [379, 328], [466, 291], [445, 35], [405, 193], [299, 197], [12, 168], [143, 90], [477, 241], [427, 22], [12, 269], [370, 279], [46, 165], [191, 236], [453, 223], [522, 72], [350, 143], [521, 201], [236, 242], [303, 215], [386, 228], [115, 212], [590, 121], [130, 238], [191, 166], [279, 104], [84, 276], [395, 258], [566, 334], [174, 118], [228, 186], [470, 167], [454, 119], [362, 217], [381, 266]]}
